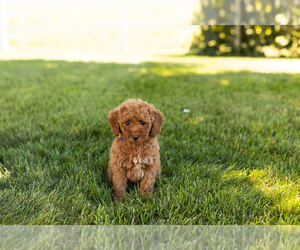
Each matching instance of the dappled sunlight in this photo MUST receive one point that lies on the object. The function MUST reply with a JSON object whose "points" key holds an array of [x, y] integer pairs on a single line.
{"points": [[196, 120], [170, 66], [4, 173], [271, 186], [234, 175], [275, 187], [166, 71], [176, 64], [51, 65], [224, 82]]}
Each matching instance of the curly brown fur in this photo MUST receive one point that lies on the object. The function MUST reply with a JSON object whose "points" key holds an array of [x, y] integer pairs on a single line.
{"points": [[134, 160]]}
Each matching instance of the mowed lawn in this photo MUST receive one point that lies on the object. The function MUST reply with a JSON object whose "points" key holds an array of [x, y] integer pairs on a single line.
{"points": [[233, 159]]}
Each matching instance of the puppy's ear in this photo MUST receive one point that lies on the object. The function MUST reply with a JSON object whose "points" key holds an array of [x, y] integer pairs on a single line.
{"points": [[157, 122], [114, 121]]}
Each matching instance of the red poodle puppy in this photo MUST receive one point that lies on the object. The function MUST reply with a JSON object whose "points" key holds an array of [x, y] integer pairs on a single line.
{"points": [[134, 154]]}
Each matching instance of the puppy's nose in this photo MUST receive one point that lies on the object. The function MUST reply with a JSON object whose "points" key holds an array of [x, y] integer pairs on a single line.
{"points": [[135, 137]]}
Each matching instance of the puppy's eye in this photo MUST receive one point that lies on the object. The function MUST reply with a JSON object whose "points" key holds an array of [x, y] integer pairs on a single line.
{"points": [[127, 123], [143, 123]]}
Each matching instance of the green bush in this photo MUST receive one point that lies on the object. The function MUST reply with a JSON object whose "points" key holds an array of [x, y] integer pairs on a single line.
{"points": [[217, 38]]}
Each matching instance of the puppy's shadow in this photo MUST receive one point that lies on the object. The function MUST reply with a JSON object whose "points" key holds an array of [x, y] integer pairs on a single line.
{"points": [[133, 188]]}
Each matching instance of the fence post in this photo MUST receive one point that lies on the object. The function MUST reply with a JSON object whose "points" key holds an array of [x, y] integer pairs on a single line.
{"points": [[237, 23], [4, 43], [123, 24]]}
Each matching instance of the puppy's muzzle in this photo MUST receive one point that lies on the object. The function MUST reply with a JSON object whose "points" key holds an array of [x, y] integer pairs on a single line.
{"points": [[135, 137]]}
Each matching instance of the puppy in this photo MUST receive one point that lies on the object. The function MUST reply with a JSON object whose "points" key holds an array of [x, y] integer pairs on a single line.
{"points": [[134, 154]]}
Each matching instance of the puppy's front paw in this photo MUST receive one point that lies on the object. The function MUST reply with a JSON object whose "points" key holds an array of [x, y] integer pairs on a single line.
{"points": [[146, 193], [119, 196]]}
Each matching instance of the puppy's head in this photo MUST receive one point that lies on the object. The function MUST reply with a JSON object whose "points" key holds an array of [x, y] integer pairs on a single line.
{"points": [[136, 121]]}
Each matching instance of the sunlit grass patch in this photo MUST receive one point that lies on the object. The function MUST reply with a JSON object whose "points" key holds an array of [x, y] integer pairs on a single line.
{"points": [[197, 119], [282, 192], [51, 65], [171, 70], [4, 173], [277, 188], [224, 82]]}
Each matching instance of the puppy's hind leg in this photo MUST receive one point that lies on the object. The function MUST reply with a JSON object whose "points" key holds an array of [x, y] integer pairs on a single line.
{"points": [[158, 171], [109, 174]]}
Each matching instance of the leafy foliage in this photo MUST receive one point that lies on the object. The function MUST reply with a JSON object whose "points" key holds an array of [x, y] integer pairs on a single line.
{"points": [[217, 38]]}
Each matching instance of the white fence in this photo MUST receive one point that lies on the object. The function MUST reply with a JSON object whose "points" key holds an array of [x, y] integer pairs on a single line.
{"points": [[4, 42], [123, 25]]}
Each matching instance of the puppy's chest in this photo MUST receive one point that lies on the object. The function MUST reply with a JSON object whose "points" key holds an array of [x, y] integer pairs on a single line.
{"points": [[136, 168]]}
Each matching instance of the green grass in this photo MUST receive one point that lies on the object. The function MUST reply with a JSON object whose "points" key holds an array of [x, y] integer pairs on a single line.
{"points": [[233, 159]]}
